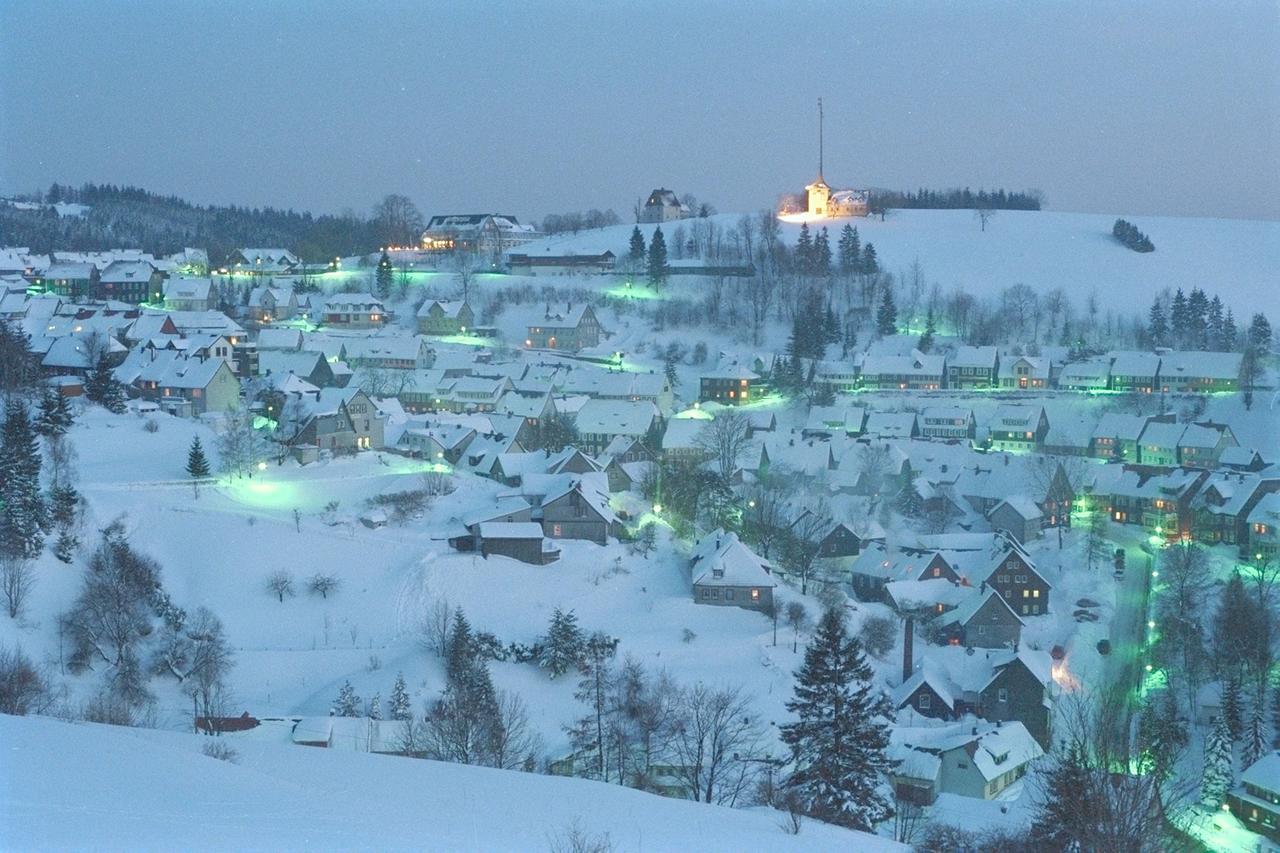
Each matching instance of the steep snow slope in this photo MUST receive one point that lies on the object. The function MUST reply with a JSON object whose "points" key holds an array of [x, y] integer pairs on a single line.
{"points": [[66, 786], [1234, 258]]}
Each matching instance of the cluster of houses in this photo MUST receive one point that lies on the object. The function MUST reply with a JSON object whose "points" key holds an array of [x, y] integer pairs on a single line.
{"points": [[992, 368]]}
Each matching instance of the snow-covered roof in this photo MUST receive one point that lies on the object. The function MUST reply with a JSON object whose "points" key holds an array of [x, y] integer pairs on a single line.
{"points": [[1022, 505], [967, 356], [720, 559], [510, 530], [1200, 365], [280, 339], [1126, 363], [187, 288], [616, 417], [124, 272], [1121, 426], [341, 303], [448, 308]]}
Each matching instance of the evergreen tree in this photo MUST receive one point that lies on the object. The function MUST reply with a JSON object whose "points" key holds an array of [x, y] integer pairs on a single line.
{"points": [[804, 250], [870, 263], [22, 508], [197, 465], [1179, 320], [382, 277], [55, 414], [1161, 734], [1255, 738], [1218, 775], [1230, 333], [669, 370], [822, 254], [103, 389], [831, 326], [849, 250], [839, 738], [1275, 714], [926, 340], [401, 708], [887, 315], [1058, 823], [1260, 333], [1214, 326], [1157, 325], [636, 252], [657, 268], [375, 707], [460, 651], [1232, 710], [348, 703], [563, 646], [1197, 318], [19, 365]]}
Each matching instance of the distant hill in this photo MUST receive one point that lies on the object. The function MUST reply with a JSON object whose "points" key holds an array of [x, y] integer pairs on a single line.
{"points": [[116, 217]]}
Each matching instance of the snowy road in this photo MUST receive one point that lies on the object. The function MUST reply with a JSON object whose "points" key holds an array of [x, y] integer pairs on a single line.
{"points": [[1124, 670]]}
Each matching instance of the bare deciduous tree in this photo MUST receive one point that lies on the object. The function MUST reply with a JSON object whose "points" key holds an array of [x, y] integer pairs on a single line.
{"points": [[716, 733], [797, 617], [16, 582], [280, 584], [516, 745], [322, 585], [725, 440], [23, 688]]}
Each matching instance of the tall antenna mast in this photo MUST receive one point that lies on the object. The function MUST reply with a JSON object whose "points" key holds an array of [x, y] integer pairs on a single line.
{"points": [[819, 138]]}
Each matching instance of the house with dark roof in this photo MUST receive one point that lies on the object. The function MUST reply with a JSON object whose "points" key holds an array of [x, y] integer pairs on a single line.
{"points": [[662, 205], [569, 328], [985, 621], [519, 263]]}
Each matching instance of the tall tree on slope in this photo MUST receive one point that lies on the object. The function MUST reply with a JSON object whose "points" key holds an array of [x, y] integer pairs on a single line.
{"points": [[22, 508], [838, 740]]}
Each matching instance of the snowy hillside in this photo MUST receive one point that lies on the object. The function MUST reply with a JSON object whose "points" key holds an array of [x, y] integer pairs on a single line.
{"points": [[60, 780], [1234, 258]]}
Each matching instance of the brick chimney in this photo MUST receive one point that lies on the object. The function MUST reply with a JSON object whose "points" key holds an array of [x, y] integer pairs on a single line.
{"points": [[908, 642]]}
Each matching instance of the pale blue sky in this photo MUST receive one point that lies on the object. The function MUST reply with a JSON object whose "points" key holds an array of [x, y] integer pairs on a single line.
{"points": [[1117, 107]]}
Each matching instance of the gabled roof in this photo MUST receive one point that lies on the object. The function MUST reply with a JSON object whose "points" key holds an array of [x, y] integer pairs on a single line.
{"points": [[967, 356], [1200, 365], [720, 559], [966, 611], [616, 417], [1121, 426], [1135, 364], [125, 272], [449, 309], [188, 288]]}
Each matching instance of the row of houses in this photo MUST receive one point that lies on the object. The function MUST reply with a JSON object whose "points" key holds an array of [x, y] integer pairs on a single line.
{"points": [[985, 367], [1154, 440]]}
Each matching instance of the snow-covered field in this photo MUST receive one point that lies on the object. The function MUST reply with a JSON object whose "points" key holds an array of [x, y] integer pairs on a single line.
{"points": [[1234, 258], [130, 789]]}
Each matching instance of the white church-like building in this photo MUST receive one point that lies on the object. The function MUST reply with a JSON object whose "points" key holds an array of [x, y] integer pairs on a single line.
{"points": [[819, 200]]}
